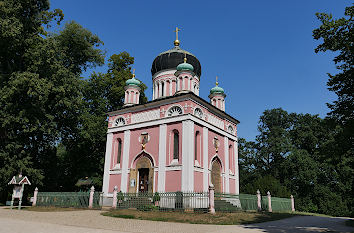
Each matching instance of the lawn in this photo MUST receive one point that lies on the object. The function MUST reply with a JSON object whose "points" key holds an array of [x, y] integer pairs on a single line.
{"points": [[199, 218]]}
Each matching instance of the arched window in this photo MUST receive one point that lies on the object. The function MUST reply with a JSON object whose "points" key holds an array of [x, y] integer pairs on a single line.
{"points": [[163, 88], [119, 121], [119, 154], [175, 145], [174, 111], [198, 112], [196, 149]]}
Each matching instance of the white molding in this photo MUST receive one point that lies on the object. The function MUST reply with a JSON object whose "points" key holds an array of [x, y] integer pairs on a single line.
{"points": [[114, 172], [174, 168], [199, 169], [227, 163], [107, 163], [125, 157], [205, 159], [162, 158], [187, 156], [170, 120]]}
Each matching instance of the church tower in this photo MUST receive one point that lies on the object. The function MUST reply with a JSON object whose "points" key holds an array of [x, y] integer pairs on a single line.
{"points": [[163, 70], [217, 96], [132, 91]]}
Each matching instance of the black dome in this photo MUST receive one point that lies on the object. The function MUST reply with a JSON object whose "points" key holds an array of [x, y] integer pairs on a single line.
{"points": [[172, 58]]}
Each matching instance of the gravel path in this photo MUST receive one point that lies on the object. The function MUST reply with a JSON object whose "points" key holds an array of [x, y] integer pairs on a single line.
{"points": [[91, 221]]}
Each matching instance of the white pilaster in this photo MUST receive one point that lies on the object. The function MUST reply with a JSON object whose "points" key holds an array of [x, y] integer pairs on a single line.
{"points": [[153, 90], [170, 87], [205, 159], [188, 84], [107, 163], [137, 98], [177, 84], [227, 165], [237, 181], [187, 155], [162, 158], [134, 97], [183, 83], [125, 161], [165, 88], [160, 89]]}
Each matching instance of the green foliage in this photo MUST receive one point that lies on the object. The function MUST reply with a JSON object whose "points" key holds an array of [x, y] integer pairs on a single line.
{"points": [[297, 154], [265, 184], [52, 122], [156, 197]]}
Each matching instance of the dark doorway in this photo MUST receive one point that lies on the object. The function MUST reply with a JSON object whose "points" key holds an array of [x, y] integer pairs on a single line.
{"points": [[143, 179]]}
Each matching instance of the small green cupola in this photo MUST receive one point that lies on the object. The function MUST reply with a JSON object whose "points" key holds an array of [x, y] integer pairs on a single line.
{"points": [[216, 89], [217, 96], [185, 66], [132, 81]]}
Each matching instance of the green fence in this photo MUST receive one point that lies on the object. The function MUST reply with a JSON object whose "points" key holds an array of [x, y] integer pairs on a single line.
{"points": [[264, 203], [231, 202], [168, 201], [68, 199], [281, 204]]}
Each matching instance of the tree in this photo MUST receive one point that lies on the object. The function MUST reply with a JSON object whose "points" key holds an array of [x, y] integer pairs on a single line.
{"points": [[102, 92], [338, 36], [40, 87]]}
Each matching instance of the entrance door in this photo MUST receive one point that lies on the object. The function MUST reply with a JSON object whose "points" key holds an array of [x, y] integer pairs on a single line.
{"points": [[216, 175], [143, 179]]}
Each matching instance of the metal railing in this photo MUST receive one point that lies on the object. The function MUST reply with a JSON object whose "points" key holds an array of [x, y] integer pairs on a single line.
{"points": [[68, 199], [167, 201]]}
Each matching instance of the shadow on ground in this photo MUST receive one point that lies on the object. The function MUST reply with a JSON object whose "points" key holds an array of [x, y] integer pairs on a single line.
{"points": [[304, 224]]}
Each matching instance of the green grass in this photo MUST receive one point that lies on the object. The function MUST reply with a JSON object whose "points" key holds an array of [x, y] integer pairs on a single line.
{"points": [[236, 218]]}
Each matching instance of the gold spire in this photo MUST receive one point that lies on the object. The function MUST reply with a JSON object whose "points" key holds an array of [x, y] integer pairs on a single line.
{"points": [[176, 43], [216, 83], [185, 57], [133, 73]]}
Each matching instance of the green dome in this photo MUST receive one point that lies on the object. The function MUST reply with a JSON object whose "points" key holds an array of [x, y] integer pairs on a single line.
{"points": [[132, 81], [185, 66], [216, 89]]}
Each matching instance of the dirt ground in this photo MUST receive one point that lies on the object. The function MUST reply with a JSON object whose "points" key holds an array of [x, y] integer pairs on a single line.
{"points": [[92, 221]]}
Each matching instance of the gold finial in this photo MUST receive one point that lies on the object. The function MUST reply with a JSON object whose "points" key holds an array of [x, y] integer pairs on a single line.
{"points": [[185, 57], [176, 43], [133, 73], [216, 83]]}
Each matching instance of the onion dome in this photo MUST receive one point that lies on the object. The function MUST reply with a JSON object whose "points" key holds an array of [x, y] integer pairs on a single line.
{"points": [[216, 89], [170, 59], [132, 81], [185, 66]]}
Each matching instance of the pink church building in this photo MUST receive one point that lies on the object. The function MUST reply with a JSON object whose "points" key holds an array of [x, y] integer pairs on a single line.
{"points": [[175, 142]]}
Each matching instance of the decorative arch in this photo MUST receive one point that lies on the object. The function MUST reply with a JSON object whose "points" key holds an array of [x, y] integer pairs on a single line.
{"points": [[140, 155], [120, 121], [215, 157], [174, 110]]}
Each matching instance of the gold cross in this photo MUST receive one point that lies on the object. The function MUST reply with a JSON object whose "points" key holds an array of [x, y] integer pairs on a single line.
{"points": [[216, 81], [185, 57], [177, 30], [133, 73]]}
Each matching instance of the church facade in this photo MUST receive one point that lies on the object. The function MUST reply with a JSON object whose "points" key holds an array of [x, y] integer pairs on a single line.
{"points": [[175, 142]]}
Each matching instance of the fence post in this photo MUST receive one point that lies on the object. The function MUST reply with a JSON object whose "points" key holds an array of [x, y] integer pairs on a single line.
{"points": [[114, 205], [269, 202], [259, 200], [292, 203], [92, 191], [211, 199], [35, 197]]}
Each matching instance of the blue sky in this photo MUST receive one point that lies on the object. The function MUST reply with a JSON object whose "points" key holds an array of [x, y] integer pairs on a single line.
{"points": [[262, 51]]}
